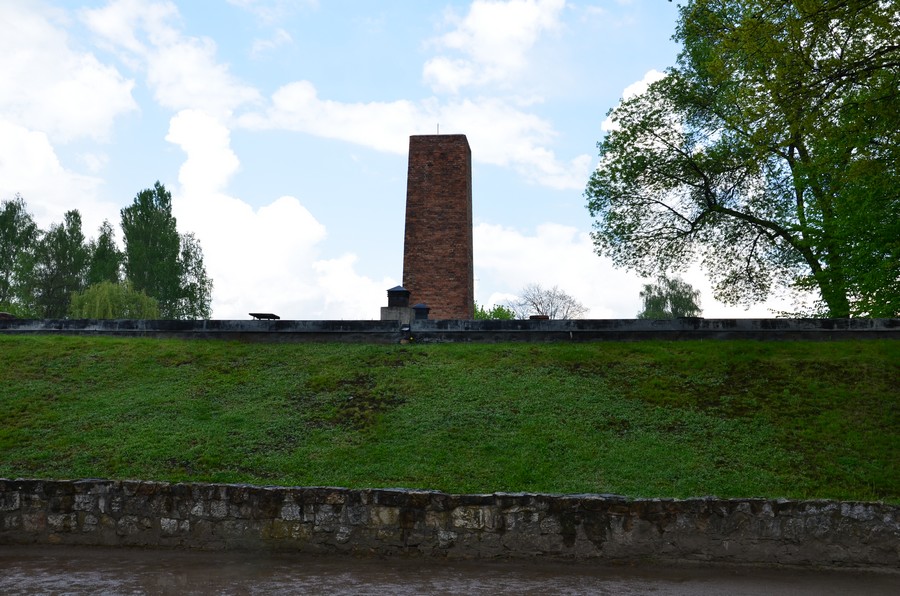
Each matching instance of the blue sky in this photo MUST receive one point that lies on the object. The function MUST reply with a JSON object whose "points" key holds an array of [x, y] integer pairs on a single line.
{"points": [[281, 129]]}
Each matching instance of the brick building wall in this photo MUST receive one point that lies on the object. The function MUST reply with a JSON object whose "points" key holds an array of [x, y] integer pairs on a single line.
{"points": [[437, 256]]}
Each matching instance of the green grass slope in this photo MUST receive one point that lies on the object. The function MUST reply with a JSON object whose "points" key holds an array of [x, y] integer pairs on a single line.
{"points": [[650, 419]]}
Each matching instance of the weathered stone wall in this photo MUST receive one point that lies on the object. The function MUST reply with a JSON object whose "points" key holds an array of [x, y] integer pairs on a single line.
{"points": [[437, 254], [424, 523], [470, 331]]}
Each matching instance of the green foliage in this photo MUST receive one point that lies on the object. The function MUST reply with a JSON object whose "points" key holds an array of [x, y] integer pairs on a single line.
{"points": [[18, 310], [162, 263], [152, 246], [19, 237], [113, 300], [195, 297], [61, 266], [40, 272], [669, 298], [652, 419], [496, 312], [106, 258], [770, 152]]}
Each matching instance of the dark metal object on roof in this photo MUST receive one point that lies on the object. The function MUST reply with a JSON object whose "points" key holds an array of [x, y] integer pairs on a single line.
{"points": [[264, 315]]}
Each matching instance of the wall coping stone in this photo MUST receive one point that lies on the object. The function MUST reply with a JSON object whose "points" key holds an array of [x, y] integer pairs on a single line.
{"points": [[430, 331]]}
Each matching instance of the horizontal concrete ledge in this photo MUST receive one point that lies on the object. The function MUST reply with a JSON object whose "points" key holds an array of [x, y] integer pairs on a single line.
{"points": [[471, 331], [399, 522], [638, 329]]}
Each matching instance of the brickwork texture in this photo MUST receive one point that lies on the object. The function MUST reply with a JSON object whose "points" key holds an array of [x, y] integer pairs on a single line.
{"points": [[437, 256]]}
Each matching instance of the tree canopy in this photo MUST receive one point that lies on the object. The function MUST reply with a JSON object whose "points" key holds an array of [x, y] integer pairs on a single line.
{"points": [[161, 262], [61, 266], [18, 240], [553, 303], [770, 152], [151, 246], [106, 258], [497, 312], [669, 298], [58, 273], [113, 300]]}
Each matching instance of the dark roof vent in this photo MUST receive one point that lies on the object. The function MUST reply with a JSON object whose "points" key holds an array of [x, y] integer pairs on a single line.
{"points": [[398, 296]]}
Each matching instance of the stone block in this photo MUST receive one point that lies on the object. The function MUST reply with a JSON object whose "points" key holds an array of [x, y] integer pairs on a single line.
{"points": [[9, 501], [12, 521], [385, 516], [218, 509], [290, 511], [88, 522], [62, 522], [34, 522], [85, 502], [475, 518]]}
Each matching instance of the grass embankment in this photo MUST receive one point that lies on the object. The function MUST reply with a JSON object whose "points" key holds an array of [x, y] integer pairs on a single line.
{"points": [[667, 419]]}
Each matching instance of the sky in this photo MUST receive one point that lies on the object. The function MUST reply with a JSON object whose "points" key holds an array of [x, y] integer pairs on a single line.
{"points": [[281, 128]]}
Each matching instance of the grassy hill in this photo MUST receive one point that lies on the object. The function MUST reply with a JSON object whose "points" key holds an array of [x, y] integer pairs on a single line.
{"points": [[663, 419]]}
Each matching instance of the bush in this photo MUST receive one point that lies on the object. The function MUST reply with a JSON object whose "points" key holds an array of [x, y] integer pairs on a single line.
{"points": [[109, 300]]}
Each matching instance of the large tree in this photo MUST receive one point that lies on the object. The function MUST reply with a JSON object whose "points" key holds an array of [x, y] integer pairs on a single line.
{"points": [[162, 263], [61, 266], [770, 152], [553, 303], [195, 298], [18, 240], [669, 298], [106, 258], [151, 246]]}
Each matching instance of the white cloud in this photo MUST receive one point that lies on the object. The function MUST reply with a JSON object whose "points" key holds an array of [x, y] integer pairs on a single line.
{"points": [[499, 132], [345, 293], [384, 126], [265, 259], [263, 46], [29, 166], [636, 88], [181, 70], [494, 39], [94, 162], [49, 87], [184, 75], [271, 11], [506, 260], [119, 23], [211, 163], [557, 255], [713, 309]]}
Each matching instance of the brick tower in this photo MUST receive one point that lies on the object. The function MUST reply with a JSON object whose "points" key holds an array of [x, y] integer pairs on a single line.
{"points": [[437, 253]]}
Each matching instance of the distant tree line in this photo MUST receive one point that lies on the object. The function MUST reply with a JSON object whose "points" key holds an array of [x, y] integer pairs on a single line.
{"points": [[534, 300], [57, 273]]}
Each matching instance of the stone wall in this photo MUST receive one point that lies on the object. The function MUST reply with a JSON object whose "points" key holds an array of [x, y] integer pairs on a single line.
{"points": [[470, 331], [392, 522], [438, 265]]}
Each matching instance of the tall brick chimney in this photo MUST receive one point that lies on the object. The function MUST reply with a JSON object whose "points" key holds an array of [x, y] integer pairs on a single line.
{"points": [[437, 254]]}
